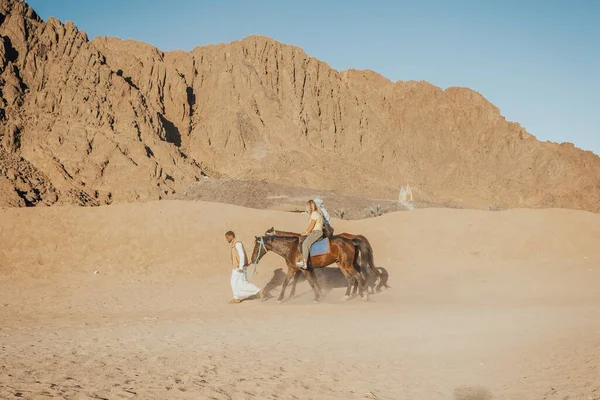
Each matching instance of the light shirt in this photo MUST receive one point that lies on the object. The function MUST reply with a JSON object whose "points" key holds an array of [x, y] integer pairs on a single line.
{"points": [[319, 220], [240, 249]]}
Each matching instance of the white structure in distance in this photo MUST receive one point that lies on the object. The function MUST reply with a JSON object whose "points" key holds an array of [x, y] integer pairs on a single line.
{"points": [[405, 194]]}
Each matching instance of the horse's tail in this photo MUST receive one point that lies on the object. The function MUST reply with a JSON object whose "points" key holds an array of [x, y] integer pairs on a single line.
{"points": [[381, 272], [366, 252], [366, 255]]}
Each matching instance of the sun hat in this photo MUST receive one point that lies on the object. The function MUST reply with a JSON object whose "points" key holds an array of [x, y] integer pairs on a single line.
{"points": [[318, 201]]}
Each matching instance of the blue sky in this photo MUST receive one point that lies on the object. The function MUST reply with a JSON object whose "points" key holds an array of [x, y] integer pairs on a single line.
{"points": [[537, 60]]}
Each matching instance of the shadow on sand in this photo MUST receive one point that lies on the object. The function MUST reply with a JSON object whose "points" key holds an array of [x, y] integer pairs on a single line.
{"points": [[275, 282], [472, 393], [332, 278], [329, 278]]}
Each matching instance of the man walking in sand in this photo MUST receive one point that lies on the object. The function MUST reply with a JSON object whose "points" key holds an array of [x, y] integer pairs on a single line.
{"points": [[242, 289]]}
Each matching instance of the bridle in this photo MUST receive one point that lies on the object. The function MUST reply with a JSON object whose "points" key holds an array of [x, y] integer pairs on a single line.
{"points": [[262, 246], [261, 241]]}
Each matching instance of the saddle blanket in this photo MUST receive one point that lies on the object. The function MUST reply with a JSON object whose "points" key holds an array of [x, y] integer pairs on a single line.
{"points": [[320, 247]]}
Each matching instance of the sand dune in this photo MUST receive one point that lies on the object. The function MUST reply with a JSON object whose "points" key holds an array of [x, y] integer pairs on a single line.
{"points": [[482, 305]]}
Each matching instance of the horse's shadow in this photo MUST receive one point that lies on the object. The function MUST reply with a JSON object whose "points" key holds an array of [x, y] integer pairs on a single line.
{"points": [[329, 278], [384, 276], [276, 281], [333, 278]]}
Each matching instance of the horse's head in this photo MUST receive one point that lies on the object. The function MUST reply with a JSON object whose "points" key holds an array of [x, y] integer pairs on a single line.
{"points": [[260, 248]]}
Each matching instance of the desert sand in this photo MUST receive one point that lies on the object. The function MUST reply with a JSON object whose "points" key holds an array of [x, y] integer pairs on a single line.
{"points": [[481, 305], [130, 299]]}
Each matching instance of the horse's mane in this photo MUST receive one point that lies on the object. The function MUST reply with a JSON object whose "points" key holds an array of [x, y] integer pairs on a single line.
{"points": [[285, 233], [272, 232], [283, 238]]}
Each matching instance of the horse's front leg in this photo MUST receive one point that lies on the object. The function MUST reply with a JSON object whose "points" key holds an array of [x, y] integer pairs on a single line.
{"points": [[314, 276], [291, 271], [294, 283]]}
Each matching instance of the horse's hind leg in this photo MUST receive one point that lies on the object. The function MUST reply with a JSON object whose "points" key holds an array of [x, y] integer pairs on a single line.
{"points": [[370, 282], [353, 275], [355, 286], [348, 289], [361, 286], [361, 280], [361, 269], [349, 279]]}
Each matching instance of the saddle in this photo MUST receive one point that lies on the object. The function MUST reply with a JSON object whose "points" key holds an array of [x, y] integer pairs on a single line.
{"points": [[320, 247]]}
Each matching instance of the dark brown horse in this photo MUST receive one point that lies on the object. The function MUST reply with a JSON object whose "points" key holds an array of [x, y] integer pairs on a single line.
{"points": [[365, 260], [342, 251]]}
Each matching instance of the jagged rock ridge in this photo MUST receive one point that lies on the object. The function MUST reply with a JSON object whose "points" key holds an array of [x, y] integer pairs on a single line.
{"points": [[93, 122]]}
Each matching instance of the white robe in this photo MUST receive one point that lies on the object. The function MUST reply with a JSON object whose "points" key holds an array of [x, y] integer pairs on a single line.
{"points": [[240, 286], [239, 282]]}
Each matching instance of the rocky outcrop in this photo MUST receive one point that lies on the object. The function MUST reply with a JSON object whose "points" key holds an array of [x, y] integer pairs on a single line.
{"points": [[81, 128], [111, 120]]}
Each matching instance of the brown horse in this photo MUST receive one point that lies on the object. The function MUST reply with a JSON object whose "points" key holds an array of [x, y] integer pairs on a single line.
{"points": [[365, 261], [342, 251]]}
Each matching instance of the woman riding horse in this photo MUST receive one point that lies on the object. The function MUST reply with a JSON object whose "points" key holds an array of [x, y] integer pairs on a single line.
{"points": [[313, 233]]}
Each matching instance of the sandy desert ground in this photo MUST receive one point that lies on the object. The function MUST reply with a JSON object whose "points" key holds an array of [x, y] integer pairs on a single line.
{"points": [[482, 305]]}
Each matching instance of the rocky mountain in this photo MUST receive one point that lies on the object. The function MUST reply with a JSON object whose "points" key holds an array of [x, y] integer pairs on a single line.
{"points": [[97, 121]]}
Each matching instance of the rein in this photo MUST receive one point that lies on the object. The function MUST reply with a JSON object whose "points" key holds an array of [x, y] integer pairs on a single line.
{"points": [[255, 263]]}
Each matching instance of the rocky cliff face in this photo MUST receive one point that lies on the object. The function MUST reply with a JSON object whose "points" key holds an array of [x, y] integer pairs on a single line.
{"points": [[93, 122], [73, 129]]}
